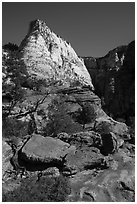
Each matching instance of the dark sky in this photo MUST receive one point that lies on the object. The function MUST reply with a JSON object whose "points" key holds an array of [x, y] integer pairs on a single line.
{"points": [[92, 28]]}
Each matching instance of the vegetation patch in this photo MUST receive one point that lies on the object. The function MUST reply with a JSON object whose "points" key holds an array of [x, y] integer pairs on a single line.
{"points": [[45, 190]]}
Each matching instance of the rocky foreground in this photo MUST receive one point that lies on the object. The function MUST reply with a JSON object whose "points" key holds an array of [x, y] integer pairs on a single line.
{"points": [[54, 128]]}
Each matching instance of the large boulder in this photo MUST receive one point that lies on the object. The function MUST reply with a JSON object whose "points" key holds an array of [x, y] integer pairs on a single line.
{"points": [[45, 149]]}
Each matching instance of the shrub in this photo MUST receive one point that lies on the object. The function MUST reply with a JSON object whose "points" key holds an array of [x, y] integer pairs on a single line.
{"points": [[12, 127], [59, 118], [10, 46], [87, 115], [45, 190], [16, 75]]}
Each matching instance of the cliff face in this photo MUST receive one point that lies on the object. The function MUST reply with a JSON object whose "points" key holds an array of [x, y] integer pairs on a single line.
{"points": [[112, 61], [49, 57], [113, 79]]}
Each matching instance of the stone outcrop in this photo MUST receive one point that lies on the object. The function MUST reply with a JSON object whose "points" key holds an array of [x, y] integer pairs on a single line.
{"points": [[113, 77], [45, 149], [84, 158], [49, 57], [80, 110]]}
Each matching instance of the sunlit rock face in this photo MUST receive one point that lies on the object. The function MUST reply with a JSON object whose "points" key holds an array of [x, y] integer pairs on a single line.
{"points": [[49, 57], [112, 61]]}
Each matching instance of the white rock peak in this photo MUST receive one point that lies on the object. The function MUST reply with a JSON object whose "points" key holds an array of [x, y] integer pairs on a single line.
{"points": [[47, 56]]}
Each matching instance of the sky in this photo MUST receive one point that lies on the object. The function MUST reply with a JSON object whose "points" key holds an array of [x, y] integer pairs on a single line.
{"points": [[92, 28]]}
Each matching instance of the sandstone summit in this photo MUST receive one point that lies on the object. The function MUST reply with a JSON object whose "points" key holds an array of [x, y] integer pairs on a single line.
{"points": [[49, 57]]}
